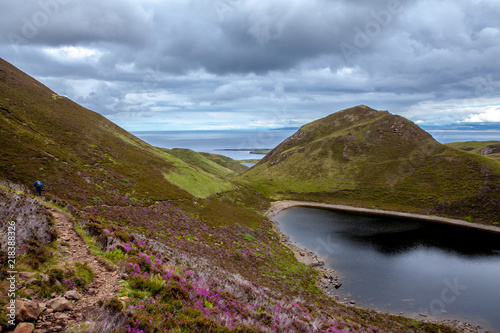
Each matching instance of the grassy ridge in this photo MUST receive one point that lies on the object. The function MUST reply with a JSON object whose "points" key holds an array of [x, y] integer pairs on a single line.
{"points": [[226, 162], [477, 147], [215, 261], [372, 158], [78, 152]]}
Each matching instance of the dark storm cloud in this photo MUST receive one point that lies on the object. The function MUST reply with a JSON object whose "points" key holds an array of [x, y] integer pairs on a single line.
{"points": [[149, 57]]}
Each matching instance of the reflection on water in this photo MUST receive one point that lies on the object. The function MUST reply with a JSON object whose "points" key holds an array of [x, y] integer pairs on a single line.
{"points": [[396, 264]]}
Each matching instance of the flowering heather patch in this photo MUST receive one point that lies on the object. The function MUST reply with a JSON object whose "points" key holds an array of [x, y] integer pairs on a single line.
{"points": [[184, 276], [166, 296], [233, 247]]}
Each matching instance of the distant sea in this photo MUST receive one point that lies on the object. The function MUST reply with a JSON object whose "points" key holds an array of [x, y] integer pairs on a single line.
{"points": [[215, 141]]}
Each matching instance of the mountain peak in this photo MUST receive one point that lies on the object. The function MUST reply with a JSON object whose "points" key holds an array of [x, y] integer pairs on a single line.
{"points": [[370, 156]]}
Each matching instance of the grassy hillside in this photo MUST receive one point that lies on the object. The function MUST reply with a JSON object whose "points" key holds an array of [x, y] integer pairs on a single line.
{"points": [[490, 149], [197, 253], [215, 164], [367, 157], [226, 162], [79, 153]]}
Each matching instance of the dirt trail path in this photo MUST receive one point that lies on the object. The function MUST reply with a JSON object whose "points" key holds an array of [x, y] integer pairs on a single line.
{"points": [[104, 285]]}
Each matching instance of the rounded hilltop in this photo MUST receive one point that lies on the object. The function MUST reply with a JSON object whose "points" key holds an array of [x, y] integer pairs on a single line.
{"points": [[362, 156]]}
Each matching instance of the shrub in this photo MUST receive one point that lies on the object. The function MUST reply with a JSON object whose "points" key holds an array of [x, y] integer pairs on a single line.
{"points": [[36, 254], [123, 236], [113, 305], [94, 229], [174, 290], [153, 285], [115, 256], [85, 272], [249, 237]]}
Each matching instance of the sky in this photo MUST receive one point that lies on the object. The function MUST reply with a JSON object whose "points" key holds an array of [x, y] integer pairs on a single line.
{"points": [[248, 64]]}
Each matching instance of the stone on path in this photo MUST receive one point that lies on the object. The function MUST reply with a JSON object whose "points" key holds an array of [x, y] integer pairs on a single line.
{"points": [[72, 294], [27, 310], [24, 328], [59, 304]]}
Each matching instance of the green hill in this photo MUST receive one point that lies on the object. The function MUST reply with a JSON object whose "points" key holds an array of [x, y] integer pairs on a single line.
{"points": [[367, 157], [490, 149], [193, 250], [215, 164], [79, 153]]}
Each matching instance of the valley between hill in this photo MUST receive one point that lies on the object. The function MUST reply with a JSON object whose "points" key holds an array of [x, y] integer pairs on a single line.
{"points": [[186, 232]]}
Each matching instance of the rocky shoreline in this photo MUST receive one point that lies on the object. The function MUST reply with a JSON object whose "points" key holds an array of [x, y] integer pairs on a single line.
{"points": [[328, 277]]}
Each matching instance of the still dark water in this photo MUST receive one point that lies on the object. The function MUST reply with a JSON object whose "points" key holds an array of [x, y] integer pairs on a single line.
{"points": [[401, 265]]}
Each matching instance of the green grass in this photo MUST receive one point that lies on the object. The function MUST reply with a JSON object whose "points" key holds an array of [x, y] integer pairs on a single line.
{"points": [[85, 157], [475, 147], [201, 161], [198, 183], [365, 157], [226, 162], [472, 146]]}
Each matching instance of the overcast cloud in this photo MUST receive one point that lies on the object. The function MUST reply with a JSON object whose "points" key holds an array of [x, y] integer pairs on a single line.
{"points": [[217, 64]]}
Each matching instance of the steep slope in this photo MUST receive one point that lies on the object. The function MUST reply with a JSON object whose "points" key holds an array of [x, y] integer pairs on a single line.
{"points": [[369, 157], [189, 264], [79, 153]]}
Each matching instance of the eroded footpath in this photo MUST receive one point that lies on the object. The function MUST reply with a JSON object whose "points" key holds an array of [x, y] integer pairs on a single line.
{"points": [[57, 313]]}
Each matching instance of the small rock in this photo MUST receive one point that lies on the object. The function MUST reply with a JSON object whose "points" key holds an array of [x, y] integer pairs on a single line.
{"points": [[61, 315], [44, 277], [30, 281], [24, 328], [423, 314], [72, 294], [25, 275], [27, 310], [352, 302], [59, 304], [29, 292]]}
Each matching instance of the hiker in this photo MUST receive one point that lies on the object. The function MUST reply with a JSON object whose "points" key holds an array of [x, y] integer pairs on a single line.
{"points": [[38, 186]]}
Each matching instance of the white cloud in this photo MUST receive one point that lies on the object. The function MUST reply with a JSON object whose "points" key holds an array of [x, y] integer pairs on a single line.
{"points": [[73, 53], [490, 113], [435, 62]]}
